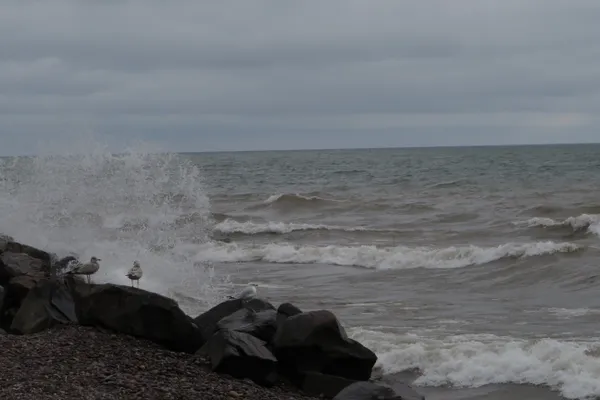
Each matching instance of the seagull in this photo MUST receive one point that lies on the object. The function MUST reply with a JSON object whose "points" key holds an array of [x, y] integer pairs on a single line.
{"points": [[246, 294], [135, 273], [86, 269]]}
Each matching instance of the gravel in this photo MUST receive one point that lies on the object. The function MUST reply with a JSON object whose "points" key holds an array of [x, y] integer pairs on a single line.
{"points": [[73, 362]]}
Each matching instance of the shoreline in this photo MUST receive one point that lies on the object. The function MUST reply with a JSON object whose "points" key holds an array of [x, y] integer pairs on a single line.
{"points": [[63, 338]]}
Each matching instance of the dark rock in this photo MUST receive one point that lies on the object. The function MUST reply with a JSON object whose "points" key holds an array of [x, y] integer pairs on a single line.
{"points": [[322, 385], [285, 311], [315, 341], [62, 301], [2, 332], [41, 255], [2, 293], [288, 309], [242, 356], [207, 322], [76, 284], [372, 391], [260, 324], [16, 290], [136, 312], [32, 316], [18, 264], [47, 304], [257, 304]]}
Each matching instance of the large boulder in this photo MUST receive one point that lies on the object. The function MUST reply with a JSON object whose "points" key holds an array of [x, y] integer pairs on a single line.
{"points": [[17, 290], [242, 356], [20, 264], [136, 312], [46, 304], [43, 256], [316, 341], [285, 311], [19, 273], [260, 324], [207, 322], [288, 310], [372, 391]]}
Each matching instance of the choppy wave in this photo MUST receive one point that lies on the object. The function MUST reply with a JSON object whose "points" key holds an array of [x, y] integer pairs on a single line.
{"points": [[450, 184], [378, 257], [290, 201], [588, 222], [572, 368], [254, 228]]}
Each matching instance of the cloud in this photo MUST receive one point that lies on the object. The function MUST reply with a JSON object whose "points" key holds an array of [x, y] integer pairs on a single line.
{"points": [[265, 74]]}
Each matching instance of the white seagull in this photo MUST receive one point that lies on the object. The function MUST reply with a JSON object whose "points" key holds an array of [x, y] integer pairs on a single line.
{"points": [[86, 269], [135, 273], [248, 293]]}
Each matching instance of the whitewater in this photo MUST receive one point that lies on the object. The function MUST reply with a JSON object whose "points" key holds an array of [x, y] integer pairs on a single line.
{"points": [[471, 272]]}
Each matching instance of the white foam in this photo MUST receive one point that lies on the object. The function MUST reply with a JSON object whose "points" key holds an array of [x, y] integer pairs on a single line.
{"points": [[252, 228], [478, 360], [116, 207], [571, 312], [377, 257], [589, 221]]}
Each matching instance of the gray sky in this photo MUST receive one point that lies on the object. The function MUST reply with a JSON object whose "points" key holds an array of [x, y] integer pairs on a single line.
{"points": [[238, 75]]}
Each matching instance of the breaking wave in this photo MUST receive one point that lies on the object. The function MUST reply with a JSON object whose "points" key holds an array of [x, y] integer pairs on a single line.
{"points": [[140, 204], [584, 222], [254, 228], [378, 257], [569, 367]]}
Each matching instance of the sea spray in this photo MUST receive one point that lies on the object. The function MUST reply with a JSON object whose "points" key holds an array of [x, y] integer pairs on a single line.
{"points": [[138, 204]]}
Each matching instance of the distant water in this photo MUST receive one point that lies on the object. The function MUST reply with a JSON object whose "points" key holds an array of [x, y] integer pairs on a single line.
{"points": [[472, 271]]}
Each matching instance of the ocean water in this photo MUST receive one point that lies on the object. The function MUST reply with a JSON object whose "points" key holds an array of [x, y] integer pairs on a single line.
{"points": [[472, 272]]}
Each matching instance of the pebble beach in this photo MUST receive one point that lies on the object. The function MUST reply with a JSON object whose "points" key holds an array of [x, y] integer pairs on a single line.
{"points": [[80, 363]]}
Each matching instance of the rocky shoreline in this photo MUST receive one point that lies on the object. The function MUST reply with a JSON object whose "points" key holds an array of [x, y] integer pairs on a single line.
{"points": [[73, 362], [68, 339]]}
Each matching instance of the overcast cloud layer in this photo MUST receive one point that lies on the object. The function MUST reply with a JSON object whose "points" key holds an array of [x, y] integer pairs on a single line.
{"points": [[240, 75]]}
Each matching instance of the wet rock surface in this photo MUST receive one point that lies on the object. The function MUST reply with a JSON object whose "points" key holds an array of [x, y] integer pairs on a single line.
{"points": [[316, 341], [138, 313], [242, 355]]}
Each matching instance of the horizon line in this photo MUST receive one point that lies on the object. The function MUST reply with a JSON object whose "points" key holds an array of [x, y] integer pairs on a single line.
{"points": [[392, 147]]}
